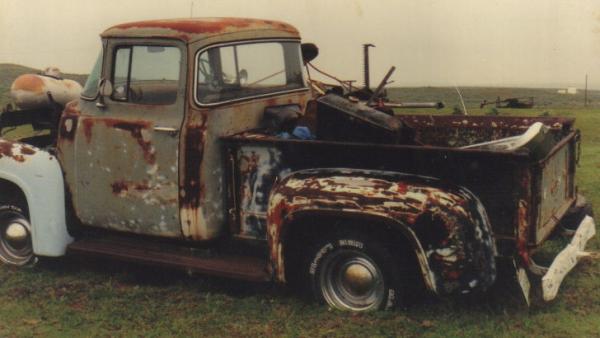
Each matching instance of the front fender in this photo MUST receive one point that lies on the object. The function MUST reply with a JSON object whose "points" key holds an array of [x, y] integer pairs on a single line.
{"points": [[38, 174], [446, 224]]}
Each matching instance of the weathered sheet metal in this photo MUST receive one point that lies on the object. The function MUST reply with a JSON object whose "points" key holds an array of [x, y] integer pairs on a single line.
{"points": [[119, 154], [203, 184], [458, 131], [502, 180], [192, 30], [446, 225], [16, 151], [38, 174], [124, 162], [555, 187], [259, 168]]}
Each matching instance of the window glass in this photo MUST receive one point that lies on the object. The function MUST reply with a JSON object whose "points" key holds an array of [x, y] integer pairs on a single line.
{"points": [[238, 71], [146, 74], [91, 85]]}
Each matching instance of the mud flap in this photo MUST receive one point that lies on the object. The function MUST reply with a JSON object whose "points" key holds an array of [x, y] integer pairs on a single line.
{"points": [[567, 258]]}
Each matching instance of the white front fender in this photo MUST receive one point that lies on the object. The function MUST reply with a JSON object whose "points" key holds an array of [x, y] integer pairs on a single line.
{"points": [[38, 174]]}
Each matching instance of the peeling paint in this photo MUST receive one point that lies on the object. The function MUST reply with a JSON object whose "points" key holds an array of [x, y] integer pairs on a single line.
{"points": [[451, 236]]}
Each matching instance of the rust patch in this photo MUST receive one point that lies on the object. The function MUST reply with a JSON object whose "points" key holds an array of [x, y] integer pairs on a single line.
{"points": [[522, 233], [6, 149], [194, 149], [88, 124], [136, 128], [27, 151], [15, 151], [119, 187], [204, 26], [453, 131], [29, 82], [455, 237]]}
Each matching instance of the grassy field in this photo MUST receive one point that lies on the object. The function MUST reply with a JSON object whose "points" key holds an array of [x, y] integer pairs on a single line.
{"points": [[85, 297]]}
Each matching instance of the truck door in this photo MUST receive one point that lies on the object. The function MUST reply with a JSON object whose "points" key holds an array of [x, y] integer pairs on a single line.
{"points": [[127, 148]]}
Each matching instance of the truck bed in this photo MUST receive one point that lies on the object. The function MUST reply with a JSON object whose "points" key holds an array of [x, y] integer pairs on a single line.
{"points": [[507, 182]]}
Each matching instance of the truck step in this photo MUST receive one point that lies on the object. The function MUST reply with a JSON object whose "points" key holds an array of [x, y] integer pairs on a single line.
{"points": [[232, 266]]}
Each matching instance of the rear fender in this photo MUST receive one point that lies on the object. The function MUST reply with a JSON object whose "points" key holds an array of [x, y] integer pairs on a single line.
{"points": [[446, 225], [38, 174]]}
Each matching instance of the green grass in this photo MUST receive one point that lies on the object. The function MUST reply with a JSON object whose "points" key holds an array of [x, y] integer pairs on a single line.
{"points": [[85, 297]]}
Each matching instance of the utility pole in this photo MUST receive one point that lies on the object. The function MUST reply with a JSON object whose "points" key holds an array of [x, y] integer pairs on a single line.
{"points": [[585, 95]]}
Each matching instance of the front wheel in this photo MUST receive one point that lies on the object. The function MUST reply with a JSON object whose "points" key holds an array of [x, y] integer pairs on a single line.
{"points": [[354, 273], [15, 236]]}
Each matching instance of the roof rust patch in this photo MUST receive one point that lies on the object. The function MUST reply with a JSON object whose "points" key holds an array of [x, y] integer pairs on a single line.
{"points": [[195, 29]]}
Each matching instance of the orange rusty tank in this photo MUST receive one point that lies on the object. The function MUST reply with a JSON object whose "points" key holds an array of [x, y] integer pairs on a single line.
{"points": [[30, 91]]}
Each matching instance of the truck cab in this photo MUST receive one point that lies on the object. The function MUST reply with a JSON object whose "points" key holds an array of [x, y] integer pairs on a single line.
{"points": [[183, 151], [148, 150]]}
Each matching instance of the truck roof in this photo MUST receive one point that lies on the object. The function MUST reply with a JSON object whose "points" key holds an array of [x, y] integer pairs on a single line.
{"points": [[194, 29]]}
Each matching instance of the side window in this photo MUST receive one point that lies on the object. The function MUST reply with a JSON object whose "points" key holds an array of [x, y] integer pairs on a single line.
{"points": [[244, 70], [259, 72], [146, 74]]}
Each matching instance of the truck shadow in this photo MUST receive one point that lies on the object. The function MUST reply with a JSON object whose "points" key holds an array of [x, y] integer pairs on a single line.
{"points": [[505, 296]]}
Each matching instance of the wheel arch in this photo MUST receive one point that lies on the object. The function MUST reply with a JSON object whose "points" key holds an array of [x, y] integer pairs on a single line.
{"points": [[446, 225], [302, 224]]}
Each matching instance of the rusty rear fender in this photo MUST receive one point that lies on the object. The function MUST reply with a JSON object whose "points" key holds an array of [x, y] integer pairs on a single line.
{"points": [[446, 225]]}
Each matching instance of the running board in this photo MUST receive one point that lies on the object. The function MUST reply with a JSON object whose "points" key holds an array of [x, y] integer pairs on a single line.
{"points": [[239, 267]]}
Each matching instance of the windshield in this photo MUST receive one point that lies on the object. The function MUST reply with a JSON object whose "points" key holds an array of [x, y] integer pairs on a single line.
{"points": [[91, 85], [232, 72]]}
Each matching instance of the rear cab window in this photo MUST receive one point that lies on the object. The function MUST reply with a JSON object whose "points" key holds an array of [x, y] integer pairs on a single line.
{"points": [[236, 71]]}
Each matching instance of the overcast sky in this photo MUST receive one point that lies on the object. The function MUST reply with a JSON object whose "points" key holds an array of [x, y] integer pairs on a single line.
{"points": [[549, 43]]}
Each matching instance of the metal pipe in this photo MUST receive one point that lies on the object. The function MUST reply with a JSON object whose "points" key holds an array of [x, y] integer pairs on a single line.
{"points": [[437, 105], [381, 85], [366, 69]]}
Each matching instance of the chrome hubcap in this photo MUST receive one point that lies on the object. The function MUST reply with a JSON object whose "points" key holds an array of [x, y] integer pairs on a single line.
{"points": [[16, 234], [351, 280], [358, 279], [15, 239]]}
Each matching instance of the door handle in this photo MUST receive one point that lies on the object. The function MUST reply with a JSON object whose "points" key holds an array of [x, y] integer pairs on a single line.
{"points": [[169, 130]]}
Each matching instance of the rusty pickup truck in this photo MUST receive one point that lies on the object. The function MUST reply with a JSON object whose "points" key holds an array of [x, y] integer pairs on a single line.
{"points": [[198, 144]]}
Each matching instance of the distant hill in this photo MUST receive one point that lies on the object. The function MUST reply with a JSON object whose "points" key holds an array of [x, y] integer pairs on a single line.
{"points": [[473, 96], [9, 72]]}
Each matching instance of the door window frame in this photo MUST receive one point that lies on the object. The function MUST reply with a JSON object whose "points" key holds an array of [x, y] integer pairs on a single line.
{"points": [[109, 66]]}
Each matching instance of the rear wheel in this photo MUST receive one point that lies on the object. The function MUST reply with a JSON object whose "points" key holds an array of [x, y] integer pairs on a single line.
{"points": [[354, 272], [15, 236]]}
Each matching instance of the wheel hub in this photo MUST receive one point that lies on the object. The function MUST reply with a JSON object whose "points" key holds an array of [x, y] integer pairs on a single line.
{"points": [[358, 279], [351, 280], [16, 232], [15, 239]]}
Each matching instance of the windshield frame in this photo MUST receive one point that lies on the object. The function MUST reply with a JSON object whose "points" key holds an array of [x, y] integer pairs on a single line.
{"points": [[96, 70]]}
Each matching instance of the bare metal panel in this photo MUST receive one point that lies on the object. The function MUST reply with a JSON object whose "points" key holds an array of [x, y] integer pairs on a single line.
{"points": [[555, 189]]}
